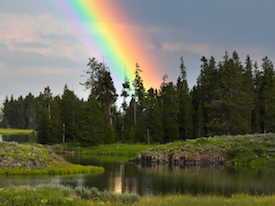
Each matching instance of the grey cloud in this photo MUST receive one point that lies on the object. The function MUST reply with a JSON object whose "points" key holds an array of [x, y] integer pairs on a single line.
{"points": [[59, 38], [17, 59], [29, 45], [2, 46], [157, 43]]}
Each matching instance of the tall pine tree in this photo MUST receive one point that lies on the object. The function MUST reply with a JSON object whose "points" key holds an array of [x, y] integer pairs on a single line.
{"points": [[185, 116]]}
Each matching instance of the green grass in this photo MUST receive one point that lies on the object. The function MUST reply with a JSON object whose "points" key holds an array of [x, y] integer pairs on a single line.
{"points": [[120, 149], [54, 194], [249, 150], [16, 131], [36, 159], [211, 200], [62, 170]]}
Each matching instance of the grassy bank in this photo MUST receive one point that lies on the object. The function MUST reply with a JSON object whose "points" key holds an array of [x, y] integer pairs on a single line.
{"points": [[35, 159], [16, 131], [249, 150], [110, 149], [61, 195]]}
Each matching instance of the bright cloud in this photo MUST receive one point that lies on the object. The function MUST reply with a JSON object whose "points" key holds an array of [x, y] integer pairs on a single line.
{"points": [[27, 33]]}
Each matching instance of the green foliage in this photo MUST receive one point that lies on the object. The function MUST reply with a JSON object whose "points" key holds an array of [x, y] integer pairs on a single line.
{"points": [[5, 122], [170, 109], [229, 99], [185, 116], [43, 127], [110, 134], [92, 125]]}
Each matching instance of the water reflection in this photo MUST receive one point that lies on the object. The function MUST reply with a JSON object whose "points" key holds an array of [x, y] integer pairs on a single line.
{"points": [[156, 179], [121, 176], [21, 138]]}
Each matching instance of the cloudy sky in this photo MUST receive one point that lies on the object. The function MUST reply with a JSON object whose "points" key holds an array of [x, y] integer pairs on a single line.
{"points": [[40, 47]]}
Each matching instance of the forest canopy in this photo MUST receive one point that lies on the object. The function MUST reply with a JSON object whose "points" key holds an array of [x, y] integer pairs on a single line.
{"points": [[231, 97]]}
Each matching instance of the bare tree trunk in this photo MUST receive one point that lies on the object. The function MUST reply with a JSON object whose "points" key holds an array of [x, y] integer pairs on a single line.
{"points": [[49, 110], [110, 115], [135, 112], [63, 132], [122, 129], [148, 136]]}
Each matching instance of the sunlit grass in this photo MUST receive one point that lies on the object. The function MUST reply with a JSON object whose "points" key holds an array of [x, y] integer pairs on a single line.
{"points": [[16, 131], [62, 170], [109, 149]]}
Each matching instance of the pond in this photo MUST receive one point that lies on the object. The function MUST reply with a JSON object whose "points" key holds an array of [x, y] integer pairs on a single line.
{"points": [[122, 176], [149, 180]]}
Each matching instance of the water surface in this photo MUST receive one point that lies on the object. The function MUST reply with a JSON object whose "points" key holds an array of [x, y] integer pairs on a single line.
{"points": [[122, 176], [21, 138]]}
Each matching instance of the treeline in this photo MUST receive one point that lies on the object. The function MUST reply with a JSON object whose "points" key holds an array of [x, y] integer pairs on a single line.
{"points": [[230, 98]]}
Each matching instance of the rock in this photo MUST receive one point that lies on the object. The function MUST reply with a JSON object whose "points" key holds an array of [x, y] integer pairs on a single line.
{"points": [[180, 159]]}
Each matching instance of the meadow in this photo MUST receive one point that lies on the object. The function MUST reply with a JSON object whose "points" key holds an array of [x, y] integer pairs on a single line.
{"points": [[53, 194]]}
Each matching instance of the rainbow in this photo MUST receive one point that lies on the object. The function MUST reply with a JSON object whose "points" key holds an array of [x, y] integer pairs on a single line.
{"points": [[98, 23]]}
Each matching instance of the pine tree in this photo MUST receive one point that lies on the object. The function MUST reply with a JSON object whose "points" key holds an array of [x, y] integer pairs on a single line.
{"points": [[102, 87], [124, 94], [170, 112], [267, 96], [199, 122], [185, 119], [10, 111], [129, 123], [227, 110], [43, 127], [248, 92], [203, 92], [70, 110], [5, 122], [256, 123], [92, 127], [20, 111], [55, 129], [139, 105], [30, 111], [153, 117]]}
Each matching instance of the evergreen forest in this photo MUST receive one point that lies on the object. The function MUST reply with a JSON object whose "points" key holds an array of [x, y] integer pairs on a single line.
{"points": [[230, 97]]}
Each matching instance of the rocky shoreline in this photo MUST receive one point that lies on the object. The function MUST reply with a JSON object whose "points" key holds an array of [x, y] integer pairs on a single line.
{"points": [[180, 159]]}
